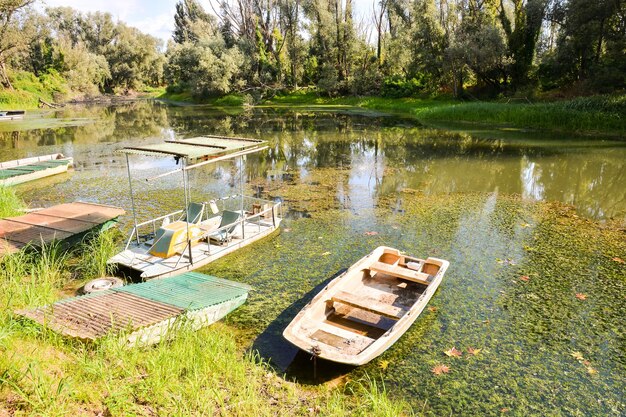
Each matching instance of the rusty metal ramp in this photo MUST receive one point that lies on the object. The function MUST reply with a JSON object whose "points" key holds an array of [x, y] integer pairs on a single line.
{"points": [[138, 306], [55, 223]]}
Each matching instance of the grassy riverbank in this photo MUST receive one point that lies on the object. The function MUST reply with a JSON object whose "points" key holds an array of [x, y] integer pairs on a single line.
{"points": [[207, 372], [587, 115]]}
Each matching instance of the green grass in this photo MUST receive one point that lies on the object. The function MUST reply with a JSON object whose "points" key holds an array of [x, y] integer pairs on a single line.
{"points": [[28, 89], [94, 253], [601, 115], [202, 372], [590, 115], [10, 203]]}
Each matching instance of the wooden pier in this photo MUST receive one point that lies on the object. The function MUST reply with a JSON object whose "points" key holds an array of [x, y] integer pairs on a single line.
{"points": [[143, 313], [63, 222]]}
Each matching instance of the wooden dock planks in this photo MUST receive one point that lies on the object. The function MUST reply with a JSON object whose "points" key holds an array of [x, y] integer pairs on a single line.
{"points": [[55, 223], [137, 308], [93, 317]]}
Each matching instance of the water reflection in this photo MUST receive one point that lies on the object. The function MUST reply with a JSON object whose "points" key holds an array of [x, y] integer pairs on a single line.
{"points": [[375, 155]]}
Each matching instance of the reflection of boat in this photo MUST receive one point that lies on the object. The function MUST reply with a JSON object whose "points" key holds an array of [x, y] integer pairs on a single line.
{"points": [[147, 312], [11, 114], [28, 169], [202, 232], [362, 312]]}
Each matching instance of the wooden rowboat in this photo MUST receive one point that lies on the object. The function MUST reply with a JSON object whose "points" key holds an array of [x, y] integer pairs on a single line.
{"points": [[362, 312], [29, 169]]}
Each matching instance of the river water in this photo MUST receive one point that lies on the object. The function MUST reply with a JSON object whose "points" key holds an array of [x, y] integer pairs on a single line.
{"points": [[499, 204]]}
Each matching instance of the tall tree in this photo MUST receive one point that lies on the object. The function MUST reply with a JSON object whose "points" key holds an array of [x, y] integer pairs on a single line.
{"points": [[11, 36], [522, 32]]}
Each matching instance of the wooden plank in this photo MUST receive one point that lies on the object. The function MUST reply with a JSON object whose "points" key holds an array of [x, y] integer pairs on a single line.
{"points": [[362, 328], [57, 223], [91, 317], [89, 212], [30, 233], [400, 272], [369, 304]]}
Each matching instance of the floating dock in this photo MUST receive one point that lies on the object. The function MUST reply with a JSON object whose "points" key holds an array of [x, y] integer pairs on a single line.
{"points": [[29, 169], [144, 312], [67, 222]]}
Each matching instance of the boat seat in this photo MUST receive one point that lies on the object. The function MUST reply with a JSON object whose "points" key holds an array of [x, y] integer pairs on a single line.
{"points": [[369, 304], [402, 273]]}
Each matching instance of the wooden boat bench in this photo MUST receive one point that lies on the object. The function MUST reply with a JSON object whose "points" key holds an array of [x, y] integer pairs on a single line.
{"points": [[368, 304], [402, 273]]}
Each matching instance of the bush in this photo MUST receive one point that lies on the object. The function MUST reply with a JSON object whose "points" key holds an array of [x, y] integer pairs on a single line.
{"points": [[396, 87]]}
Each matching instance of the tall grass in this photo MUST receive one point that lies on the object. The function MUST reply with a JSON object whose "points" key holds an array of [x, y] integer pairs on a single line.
{"points": [[202, 372], [10, 203], [598, 115], [94, 251]]}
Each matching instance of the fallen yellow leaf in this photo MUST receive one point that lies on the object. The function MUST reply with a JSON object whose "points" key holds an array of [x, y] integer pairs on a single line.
{"points": [[578, 356], [383, 365], [581, 296], [619, 260], [473, 351], [453, 352]]}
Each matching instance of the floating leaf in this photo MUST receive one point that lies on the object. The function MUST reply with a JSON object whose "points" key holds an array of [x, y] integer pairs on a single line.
{"points": [[577, 355], [440, 369], [473, 351], [370, 233], [581, 296], [619, 260], [383, 365], [524, 278], [454, 352], [507, 261]]}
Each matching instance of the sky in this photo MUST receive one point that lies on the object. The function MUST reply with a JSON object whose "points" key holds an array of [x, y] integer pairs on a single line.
{"points": [[155, 17]]}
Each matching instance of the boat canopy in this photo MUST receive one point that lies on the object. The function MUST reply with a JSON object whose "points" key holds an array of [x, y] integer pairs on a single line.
{"points": [[201, 147]]}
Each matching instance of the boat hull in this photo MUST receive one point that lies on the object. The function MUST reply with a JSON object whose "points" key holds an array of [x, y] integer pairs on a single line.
{"points": [[364, 311], [62, 165]]}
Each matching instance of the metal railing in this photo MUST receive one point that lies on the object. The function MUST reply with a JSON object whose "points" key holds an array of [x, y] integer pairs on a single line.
{"points": [[245, 203]]}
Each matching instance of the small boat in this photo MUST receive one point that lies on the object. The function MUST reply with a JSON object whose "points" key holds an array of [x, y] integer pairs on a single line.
{"points": [[29, 169], [363, 311], [200, 232], [11, 114]]}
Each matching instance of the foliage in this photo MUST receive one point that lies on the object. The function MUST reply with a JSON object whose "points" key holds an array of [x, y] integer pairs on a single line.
{"points": [[10, 203]]}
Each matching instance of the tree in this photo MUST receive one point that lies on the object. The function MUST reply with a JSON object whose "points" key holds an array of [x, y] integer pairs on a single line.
{"points": [[11, 36], [522, 33]]}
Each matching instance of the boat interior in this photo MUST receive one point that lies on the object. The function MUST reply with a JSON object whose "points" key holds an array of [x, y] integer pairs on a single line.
{"points": [[365, 305]]}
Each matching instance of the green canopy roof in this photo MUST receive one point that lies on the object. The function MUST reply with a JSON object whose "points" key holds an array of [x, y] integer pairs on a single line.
{"points": [[195, 148]]}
